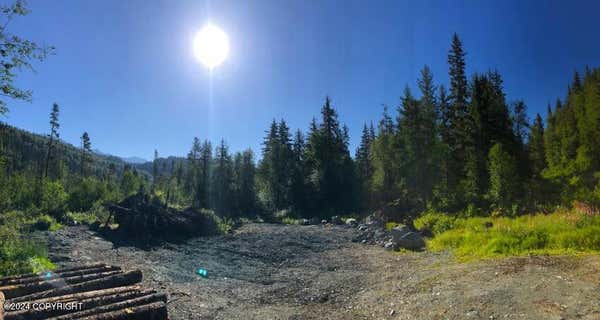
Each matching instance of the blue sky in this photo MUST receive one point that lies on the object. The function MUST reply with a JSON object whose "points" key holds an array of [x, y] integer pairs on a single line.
{"points": [[124, 70]]}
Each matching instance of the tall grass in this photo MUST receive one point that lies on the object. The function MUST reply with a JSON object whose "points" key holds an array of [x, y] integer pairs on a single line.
{"points": [[19, 251], [556, 233]]}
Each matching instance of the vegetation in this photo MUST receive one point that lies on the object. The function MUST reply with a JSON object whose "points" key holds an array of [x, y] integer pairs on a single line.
{"points": [[561, 232], [464, 151]]}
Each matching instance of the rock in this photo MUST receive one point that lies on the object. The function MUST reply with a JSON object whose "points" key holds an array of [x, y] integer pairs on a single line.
{"points": [[351, 222], [362, 227], [373, 220], [392, 312], [304, 222], [324, 221], [336, 220], [379, 234], [399, 231], [389, 245], [410, 240], [95, 226], [472, 313], [314, 221]]}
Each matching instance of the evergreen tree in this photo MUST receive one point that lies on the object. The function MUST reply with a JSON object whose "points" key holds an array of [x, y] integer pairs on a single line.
{"points": [[52, 137], [364, 167], [537, 160], [222, 181], [155, 170], [299, 189], [386, 158], [86, 154], [458, 115], [331, 168], [503, 191], [244, 186]]}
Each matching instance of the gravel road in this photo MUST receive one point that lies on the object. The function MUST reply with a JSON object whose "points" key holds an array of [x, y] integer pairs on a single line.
{"points": [[267, 271]]}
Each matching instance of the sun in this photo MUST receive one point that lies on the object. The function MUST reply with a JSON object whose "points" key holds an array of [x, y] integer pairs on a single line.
{"points": [[211, 46]]}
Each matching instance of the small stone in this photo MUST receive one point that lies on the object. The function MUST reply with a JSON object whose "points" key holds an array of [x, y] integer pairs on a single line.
{"points": [[472, 313], [392, 312]]}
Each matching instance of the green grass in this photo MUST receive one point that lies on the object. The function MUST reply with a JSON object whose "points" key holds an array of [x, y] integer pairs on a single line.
{"points": [[391, 225], [19, 251], [21, 254], [557, 233]]}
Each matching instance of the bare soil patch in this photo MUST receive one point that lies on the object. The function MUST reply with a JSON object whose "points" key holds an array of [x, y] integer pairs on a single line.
{"points": [[267, 271]]}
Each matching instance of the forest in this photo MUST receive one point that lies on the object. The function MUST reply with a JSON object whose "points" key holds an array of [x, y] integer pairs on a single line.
{"points": [[461, 149]]}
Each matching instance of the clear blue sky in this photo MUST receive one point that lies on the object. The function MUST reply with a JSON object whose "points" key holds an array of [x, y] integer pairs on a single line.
{"points": [[125, 72]]}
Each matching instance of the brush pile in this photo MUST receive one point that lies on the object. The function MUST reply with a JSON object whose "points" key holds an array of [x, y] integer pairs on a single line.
{"points": [[141, 216]]}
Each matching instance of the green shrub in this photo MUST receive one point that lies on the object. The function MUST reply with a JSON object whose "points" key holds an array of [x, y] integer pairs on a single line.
{"points": [[83, 217], [19, 254], [434, 222], [44, 222], [54, 198], [557, 233]]}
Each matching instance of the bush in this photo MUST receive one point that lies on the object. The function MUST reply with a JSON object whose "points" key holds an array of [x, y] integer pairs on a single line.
{"points": [[19, 254], [45, 222], [434, 222], [557, 233], [86, 193], [54, 198]]}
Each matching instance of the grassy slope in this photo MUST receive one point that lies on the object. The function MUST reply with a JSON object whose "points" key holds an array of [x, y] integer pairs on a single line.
{"points": [[557, 233]]}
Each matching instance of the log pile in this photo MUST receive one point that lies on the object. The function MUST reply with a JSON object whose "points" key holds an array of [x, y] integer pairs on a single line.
{"points": [[142, 216], [95, 291]]}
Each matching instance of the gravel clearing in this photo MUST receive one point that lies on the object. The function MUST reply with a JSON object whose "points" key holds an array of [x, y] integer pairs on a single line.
{"points": [[267, 271]]}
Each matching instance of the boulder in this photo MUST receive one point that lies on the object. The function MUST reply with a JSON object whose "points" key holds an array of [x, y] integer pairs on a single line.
{"points": [[351, 222], [336, 220], [398, 232], [314, 221], [324, 221], [304, 222], [363, 227], [410, 240], [374, 220]]}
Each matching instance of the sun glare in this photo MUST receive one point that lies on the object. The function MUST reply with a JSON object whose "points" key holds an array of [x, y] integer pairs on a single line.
{"points": [[211, 46]]}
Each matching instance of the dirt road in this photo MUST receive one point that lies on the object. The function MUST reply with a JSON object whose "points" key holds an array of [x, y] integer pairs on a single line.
{"points": [[266, 271]]}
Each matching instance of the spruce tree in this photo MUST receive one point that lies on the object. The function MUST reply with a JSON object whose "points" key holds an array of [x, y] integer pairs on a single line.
{"points": [[458, 122], [86, 154], [364, 167], [222, 181], [537, 160], [53, 137]]}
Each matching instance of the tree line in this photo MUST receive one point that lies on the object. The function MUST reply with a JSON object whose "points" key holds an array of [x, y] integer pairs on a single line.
{"points": [[464, 149]]}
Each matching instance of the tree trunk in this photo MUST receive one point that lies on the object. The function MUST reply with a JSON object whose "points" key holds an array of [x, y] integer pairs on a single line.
{"points": [[116, 280]]}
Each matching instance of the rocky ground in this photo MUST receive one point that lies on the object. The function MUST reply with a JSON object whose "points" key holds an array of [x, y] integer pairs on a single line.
{"points": [[266, 271]]}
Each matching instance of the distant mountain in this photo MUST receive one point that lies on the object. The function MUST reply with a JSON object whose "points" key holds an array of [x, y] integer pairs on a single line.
{"points": [[164, 165], [134, 160]]}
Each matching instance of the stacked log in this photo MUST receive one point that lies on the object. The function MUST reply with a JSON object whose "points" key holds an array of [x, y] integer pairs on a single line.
{"points": [[84, 292]]}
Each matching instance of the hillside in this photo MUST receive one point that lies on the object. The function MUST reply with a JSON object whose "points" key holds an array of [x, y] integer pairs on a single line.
{"points": [[24, 150]]}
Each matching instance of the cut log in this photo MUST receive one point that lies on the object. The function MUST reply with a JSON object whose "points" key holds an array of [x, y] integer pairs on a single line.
{"points": [[152, 311], [86, 299], [54, 275], [17, 290], [116, 280], [8, 279], [121, 305]]}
